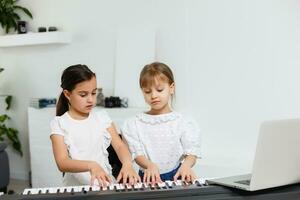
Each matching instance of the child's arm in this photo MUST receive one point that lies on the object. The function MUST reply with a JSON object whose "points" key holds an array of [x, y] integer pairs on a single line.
{"points": [[127, 172], [185, 170], [151, 172], [66, 164], [190, 140]]}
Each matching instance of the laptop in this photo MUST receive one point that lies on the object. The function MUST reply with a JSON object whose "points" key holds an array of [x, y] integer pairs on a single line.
{"points": [[277, 158]]}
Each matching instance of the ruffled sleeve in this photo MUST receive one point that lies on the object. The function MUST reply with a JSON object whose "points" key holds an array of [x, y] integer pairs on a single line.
{"points": [[106, 121], [55, 127], [130, 133], [190, 137]]}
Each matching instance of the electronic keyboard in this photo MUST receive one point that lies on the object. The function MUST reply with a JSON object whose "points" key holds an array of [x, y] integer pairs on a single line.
{"points": [[176, 190]]}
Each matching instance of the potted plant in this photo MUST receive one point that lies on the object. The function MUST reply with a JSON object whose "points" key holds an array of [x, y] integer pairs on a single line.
{"points": [[9, 14], [6, 132]]}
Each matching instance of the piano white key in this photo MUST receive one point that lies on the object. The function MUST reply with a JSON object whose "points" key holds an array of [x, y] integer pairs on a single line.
{"points": [[161, 185], [34, 191], [87, 188], [38, 190], [186, 183], [77, 189], [95, 188], [200, 181], [62, 189], [169, 183], [53, 190], [128, 186], [137, 186], [43, 190], [69, 189], [140, 185], [118, 187], [153, 186], [145, 185], [122, 186], [111, 186], [178, 183], [26, 191], [104, 188], [81, 188]]}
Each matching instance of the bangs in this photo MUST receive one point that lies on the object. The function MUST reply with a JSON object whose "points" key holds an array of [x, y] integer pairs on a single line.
{"points": [[152, 78]]}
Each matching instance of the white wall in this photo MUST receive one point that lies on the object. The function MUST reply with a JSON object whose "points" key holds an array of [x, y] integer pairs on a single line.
{"points": [[34, 71], [235, 62], [243, 68]]}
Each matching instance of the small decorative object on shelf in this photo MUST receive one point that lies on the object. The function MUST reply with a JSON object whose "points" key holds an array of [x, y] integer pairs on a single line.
{"points": [[42, 102], [100, 97], [52, 28], [42, 29], [124, 102], [112, 102], [22, 27]]}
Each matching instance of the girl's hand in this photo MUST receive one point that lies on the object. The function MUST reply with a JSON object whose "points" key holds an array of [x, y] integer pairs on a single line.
{"points": [[186, 173], [97, 173], [151, 174], [128, 174]]}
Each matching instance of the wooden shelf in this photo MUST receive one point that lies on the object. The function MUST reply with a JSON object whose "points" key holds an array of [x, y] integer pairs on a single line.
{"points": [[35, 39]]}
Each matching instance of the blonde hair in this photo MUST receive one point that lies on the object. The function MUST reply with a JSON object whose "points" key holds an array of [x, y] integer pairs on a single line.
{"points": [[151, 72]]}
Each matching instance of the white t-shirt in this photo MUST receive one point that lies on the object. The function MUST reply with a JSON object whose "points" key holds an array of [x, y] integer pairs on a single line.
{"points": [[164, 139], [86, 139]]}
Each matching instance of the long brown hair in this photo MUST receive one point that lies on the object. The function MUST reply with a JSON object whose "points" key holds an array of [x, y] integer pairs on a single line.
{"points": [[70, 77]]}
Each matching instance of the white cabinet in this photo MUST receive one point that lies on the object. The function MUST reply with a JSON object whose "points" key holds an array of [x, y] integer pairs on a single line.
{"points": [[44, 172]]}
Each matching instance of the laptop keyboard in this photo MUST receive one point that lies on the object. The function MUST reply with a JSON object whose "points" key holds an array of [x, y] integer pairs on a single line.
{"points": [[244, 182]]}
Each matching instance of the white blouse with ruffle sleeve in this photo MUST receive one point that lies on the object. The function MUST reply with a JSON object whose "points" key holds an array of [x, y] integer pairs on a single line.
{"points": [[86, 139], [164, 139]]}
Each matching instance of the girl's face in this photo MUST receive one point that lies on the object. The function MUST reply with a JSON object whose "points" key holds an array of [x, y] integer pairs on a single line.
{"points": [[83, 97], [157, 96]]}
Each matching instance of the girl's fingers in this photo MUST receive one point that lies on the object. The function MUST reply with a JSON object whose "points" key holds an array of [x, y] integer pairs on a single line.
{"points": [[144, 178], [193, 177], [125, 177], [131, 180], [108, 179], [92, 180], [119, 177], [148, 178], [183, 177], [176, 176], [100, 181], [136, 179], [188, 178], [139, 179], [153, 178], [158, 178]]}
